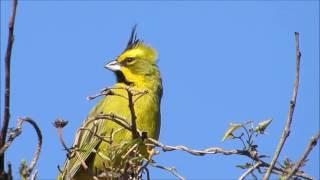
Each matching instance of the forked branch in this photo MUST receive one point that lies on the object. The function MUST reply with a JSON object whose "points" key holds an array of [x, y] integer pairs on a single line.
{"points": [[303, 158], [16, 132]]}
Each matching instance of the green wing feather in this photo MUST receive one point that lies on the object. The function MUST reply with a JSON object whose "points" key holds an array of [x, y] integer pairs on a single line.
{"points": [[148, 119], [86, 143]]}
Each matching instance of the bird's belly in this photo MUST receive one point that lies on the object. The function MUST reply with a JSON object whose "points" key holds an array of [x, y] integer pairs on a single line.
{"points": [[148, 120], [147, 111]]}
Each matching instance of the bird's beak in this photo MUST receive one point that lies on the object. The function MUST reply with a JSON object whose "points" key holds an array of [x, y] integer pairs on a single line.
{"points": [[113, 66]]}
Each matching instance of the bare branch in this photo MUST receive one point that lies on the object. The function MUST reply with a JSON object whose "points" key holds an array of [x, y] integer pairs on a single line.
{"points": [[59, 124], [16, 132], [147, 172], [134, 131], [34, 175], [6, 115], [111, 117], [12, 135], [212, 150], [298, 174], [39, 145], [310, 146], [217, 150], [139, 95], [131, 93], [102, 138], [9, 173], [83, 163], [250, 170], [107, 92], [292, 104], [171, 170]]}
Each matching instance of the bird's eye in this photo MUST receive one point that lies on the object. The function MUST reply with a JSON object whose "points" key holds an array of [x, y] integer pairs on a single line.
{"points": [[129, 60]]}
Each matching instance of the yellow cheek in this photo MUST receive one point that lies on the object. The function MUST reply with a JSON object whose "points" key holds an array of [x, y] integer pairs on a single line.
{"points": [[130, 76]]}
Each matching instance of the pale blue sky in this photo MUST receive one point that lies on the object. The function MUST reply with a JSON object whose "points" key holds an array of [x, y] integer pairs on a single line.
{"points": [[220, 62]]}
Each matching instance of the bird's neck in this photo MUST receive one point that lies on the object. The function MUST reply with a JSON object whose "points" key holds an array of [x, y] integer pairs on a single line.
{"points": [[151, 82]]}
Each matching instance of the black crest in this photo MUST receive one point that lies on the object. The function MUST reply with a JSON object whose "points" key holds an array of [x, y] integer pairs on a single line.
{"points": [[133, 41]]}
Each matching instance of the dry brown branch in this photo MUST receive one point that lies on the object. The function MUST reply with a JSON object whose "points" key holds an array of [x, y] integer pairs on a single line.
{"points": [[34, 175], [9, 173], [131, 93], [172, 170], [250, 170], [105, 117], [111, 117], [39, 145], [6, 115], [134, 131], [102, 138], [12, 135], [139, 95], [298, 174], [146, 170], [107, 92], [83, 163], [310, 146], [217, 150], [292, 104], [211, 150], [16, 132], [59, 124]]}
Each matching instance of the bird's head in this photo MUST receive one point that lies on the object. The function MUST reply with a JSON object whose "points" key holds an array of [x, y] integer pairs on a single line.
{"points": [[137, 63]]}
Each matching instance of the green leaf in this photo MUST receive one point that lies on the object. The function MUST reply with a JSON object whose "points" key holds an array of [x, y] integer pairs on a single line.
{"points": [[231, 129], [23, 170], [262, 126], [288, 164]]}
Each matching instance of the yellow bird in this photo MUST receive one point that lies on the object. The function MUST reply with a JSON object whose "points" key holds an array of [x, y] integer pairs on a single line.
{"points": [[135, 68]]}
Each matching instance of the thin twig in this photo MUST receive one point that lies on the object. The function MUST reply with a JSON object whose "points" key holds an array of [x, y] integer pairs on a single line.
{"points": [[111, 117], [39, 145], [59, 124], [217, 150], [292, 104], [147, 172], [34, 175], [12, 135], [250, 170], [134, 131], [129, 151], [16, 132], [107, 92], [144, 166], [171, 170], [310, 146], [6, 115], [212, 150], [9, 174], [298, 174], [105, 117], [139, 95], [102, 138], [131, 93], [83, 163]]}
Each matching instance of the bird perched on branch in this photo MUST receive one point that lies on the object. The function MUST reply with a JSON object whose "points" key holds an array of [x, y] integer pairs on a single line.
{"points": [[100, 144]]}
